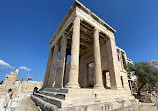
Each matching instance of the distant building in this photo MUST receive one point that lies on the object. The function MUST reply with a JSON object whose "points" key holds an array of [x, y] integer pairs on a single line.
{"points": [[18, 86]]}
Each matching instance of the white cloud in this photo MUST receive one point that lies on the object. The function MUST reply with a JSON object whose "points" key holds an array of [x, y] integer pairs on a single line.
{"points": [[5, 65], [25, 68]]}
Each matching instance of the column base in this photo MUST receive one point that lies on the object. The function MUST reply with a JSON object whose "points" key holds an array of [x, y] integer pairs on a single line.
{"points": [[42, 88], [49, 87], [72, 86], [98, 87], [114, 87], [58, 86]]}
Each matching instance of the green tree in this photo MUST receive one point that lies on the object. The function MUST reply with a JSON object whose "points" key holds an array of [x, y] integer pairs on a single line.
{"points": [[146, 74], [1, 82]]}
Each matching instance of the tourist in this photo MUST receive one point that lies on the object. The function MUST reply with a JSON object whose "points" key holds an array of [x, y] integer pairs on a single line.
{"points": [[35, 90], [8, 100], [25, 91]]}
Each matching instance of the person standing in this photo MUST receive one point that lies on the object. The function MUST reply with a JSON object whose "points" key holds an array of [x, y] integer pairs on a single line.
{"points": [[25, 91], [9, 97], [35, 90]]}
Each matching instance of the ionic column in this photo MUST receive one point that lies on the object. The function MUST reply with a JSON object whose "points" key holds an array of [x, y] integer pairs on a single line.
{"points": [[75, 47], [45, 81], [120, 56], [61, 63], [53, 66], [113, 64], [97, 61], [83, 77], [125, 56], [108, 80]]}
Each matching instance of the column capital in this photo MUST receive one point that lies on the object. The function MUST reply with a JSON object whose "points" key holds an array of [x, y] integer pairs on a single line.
{"points": [[77, 17], [64, 33], [96, 29]]}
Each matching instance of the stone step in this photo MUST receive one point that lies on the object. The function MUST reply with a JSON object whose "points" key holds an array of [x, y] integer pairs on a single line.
{"points": [[81, 102], [74, 94], [53, 94], [66, 94], [56, 90], [45, 106], [52, 100]]}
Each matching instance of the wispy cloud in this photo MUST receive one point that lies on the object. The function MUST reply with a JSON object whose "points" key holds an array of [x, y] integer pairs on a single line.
{"points": [[24, 68], [4, 65]]}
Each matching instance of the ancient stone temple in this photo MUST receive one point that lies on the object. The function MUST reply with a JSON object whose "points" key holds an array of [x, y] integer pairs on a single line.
{"points": [[90, 73]]}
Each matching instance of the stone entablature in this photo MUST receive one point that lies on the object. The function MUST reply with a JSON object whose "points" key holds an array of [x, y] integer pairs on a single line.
{"points": [[77, 7]]}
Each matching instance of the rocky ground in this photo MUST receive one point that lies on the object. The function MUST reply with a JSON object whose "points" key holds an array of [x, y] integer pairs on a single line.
{"points": [[27, 104], [24, 103], [142, 107]]}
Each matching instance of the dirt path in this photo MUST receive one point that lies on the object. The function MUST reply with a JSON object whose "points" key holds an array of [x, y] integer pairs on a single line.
{"points": [[27, 104]]}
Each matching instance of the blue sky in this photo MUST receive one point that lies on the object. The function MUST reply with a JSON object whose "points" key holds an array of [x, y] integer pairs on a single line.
{"points": [[26, 26]]}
